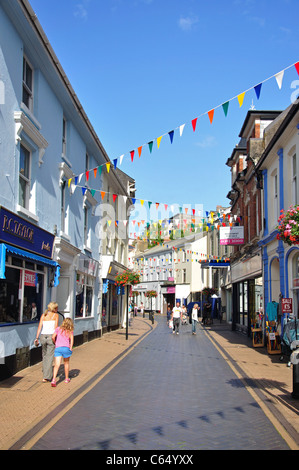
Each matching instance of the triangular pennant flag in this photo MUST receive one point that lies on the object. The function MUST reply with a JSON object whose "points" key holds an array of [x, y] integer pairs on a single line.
{"points": [[241, 98], [76, 180], [114, 197], [133, 200], [109, 222], [150, 145], [279, 78], [103, 194], [211, 115], [83, 191], [182, 129], [149, 204], [95, 172], [115, 163], [157, 205], [159, 141], [225, 108], [69, 182], [194, 121], [132, 154], [171, 133], [99, 170], [87, 175], [257, 90], [165, 205], [80, 177], [121, 159], [108, 167], [139, 151], [92, 192], [297, 67], [141, 201]]}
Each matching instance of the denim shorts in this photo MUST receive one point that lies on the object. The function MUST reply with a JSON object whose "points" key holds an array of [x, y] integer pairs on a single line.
{"points": [[63, 351]]}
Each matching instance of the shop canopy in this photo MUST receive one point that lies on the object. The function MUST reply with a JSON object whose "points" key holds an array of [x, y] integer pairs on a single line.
{"points": [[27, 255]]}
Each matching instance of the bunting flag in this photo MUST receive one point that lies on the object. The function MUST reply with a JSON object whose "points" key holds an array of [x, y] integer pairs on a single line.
{"points": [[225, 106]]}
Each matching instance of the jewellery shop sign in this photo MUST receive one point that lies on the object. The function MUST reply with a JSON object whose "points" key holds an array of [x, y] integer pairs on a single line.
{"points": [[22, 234]]}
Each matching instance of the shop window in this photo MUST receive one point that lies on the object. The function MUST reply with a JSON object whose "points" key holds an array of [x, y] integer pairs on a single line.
{"points": [[21, 293], [84, 296]]}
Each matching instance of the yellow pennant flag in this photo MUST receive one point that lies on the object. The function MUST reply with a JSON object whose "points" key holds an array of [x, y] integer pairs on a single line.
{"points": [[241, 98], [69, 182], [141, 201], [159, 141], [108, 167]]}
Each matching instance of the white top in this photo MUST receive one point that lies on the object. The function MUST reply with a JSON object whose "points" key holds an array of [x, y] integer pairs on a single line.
{"points": [[176, 312], [195, 314], [48, 327]]}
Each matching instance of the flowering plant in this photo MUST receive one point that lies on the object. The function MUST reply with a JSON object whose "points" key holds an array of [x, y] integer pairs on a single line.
{"points": [[209, 291], [127, 277], [151, 293], [288, 228]]}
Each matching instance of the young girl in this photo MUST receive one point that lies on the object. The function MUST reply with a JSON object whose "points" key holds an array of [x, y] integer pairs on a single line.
{"points": [[63, 338]]}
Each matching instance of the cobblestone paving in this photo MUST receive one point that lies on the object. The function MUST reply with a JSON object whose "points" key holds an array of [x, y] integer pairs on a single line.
{"points": [[172, 392]]}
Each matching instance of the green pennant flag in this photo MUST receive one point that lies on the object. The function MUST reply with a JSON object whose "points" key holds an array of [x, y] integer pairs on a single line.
{"points": [[149, 204], [225, 107], [100, 169], [150, 144], [92, 192]]}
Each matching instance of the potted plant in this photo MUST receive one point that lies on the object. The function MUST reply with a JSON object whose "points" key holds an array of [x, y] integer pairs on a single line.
{"points": [[288, 228], [127, 278]]}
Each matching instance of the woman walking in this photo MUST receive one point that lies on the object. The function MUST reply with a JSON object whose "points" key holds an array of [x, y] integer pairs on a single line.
{"points": [[47, 325], [194, 317]]}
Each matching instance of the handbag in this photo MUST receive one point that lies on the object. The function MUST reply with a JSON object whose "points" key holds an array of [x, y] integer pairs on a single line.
{"points": [[170, 324]]}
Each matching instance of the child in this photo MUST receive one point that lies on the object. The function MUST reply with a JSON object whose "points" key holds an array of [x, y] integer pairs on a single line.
{"points": [[63, 338]]}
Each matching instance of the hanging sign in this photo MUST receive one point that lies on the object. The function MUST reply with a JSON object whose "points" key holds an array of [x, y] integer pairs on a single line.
{"points": [[287, 305], [232, 235]]}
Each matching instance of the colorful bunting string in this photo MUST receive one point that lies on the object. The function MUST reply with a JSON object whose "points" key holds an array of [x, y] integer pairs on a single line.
{"points": [[225, 106]]}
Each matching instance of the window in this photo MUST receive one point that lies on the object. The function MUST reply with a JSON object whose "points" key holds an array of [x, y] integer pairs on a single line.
{"points": [[294, 180], [275, 193], [64, 136], [27, 96], [84, 296], [24, 177], [21, 292]]}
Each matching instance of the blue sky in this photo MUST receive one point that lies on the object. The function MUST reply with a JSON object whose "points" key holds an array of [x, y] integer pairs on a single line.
{"points": [[142, 68]]}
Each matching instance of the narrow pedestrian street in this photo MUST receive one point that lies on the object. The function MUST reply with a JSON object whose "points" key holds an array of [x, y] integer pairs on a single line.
{"points": [[171, 392]]}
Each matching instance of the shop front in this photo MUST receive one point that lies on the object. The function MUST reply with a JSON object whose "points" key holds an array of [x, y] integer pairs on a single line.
{"points": [[27, 275], [247, 293], [114, 299]]}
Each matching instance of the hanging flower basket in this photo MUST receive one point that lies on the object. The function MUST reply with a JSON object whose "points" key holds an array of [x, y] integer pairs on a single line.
{"points": [[209, 291], [127, 278], [151, 293], [288, 228]]}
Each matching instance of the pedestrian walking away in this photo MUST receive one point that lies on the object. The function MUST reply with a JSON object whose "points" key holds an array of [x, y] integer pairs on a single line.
{"points": [[176, 317], [47, 325], [194, 317], [63, 338]]}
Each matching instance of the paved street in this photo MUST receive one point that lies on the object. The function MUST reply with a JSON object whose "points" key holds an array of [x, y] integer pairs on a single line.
{"points": [[170, 392]]}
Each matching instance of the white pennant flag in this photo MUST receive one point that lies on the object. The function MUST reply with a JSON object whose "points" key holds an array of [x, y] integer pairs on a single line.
{"points": [[181, 129], [80, 177], [121, 159], [279, 78]]}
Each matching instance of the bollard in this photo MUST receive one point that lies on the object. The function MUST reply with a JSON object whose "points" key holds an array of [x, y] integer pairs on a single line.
{"points": [[295, 361]]}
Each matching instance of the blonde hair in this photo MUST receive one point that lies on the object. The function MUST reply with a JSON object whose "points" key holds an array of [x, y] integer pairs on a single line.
{"points": [[67, 325], [52, 307]]}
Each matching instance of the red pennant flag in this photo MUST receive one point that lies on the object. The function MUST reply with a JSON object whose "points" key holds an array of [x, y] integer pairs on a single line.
{"points": [[132, 154], [87, 175], [297, 67], [194, 121], [193, 211], [114, 197], [157, 205], [211, 115]]}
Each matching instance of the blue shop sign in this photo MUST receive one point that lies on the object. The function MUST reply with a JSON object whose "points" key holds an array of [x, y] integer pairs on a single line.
{"points": [[22, 234]]}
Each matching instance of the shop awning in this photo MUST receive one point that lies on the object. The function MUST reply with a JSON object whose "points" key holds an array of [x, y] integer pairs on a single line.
{"points": [[215, 264], [27, 255]]}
